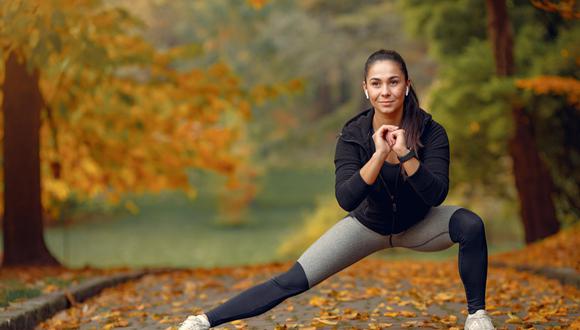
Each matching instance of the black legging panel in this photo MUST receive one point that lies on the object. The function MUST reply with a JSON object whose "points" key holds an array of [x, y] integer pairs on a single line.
{"points": [[467, 229], [261, 298]]}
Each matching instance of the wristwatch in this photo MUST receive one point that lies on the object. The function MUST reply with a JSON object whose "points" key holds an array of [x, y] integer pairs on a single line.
{"points": [[408, 156]]}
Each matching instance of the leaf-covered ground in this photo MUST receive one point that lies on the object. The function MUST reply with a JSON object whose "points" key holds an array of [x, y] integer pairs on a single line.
{"points": [[371, 294], [561, 250]]}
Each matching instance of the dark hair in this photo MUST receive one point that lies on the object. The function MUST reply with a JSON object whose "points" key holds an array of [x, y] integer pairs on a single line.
{"points": [[412, 119]]}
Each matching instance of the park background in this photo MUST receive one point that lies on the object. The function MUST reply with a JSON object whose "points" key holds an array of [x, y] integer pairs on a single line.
{"points": [[202, 133]]}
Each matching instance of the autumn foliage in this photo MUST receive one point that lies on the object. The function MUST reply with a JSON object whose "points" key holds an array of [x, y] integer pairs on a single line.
{"points": [[121, 116], [562, 86]]}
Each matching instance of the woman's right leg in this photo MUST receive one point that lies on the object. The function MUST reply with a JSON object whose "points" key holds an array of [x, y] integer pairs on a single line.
{"points": [[345, 243], [444, 226]]}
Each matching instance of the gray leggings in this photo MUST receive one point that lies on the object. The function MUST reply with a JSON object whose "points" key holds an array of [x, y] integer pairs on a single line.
{"points": [[349, 241]]}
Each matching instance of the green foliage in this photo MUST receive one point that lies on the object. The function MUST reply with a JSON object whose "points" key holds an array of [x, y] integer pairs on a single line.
{"points": [[450, 25], [474, 105]]}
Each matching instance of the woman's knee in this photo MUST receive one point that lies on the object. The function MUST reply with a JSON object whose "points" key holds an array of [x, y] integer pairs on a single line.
{"points": [[293, 279], [465, 225]]}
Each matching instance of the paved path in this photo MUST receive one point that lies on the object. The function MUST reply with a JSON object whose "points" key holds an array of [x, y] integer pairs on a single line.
{"points": [[371, 294]]}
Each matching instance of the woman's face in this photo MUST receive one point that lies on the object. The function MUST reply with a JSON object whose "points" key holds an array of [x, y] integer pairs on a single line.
{"points": [[385, 84]]}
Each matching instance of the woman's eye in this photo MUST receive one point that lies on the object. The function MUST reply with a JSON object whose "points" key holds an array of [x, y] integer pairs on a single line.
{"points": [[394, 82], [375, 84]]}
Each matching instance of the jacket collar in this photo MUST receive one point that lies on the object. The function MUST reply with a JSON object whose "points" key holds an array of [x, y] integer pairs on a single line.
{"points": [[358, 128]]}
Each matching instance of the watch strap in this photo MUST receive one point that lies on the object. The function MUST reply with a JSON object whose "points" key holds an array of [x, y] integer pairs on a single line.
{"points": [[408, 156]]}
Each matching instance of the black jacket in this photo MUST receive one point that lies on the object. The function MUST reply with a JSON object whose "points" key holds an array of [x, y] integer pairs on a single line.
{"points": [[414, 195]]}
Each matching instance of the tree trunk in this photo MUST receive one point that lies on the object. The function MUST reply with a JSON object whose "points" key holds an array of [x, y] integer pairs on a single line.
{"points": [[533, 181], [22, 226]]}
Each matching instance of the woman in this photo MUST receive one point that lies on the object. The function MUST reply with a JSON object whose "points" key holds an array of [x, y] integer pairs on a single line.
{"points": [[392, 167]]}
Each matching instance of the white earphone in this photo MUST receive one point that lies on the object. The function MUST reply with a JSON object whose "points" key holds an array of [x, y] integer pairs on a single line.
{"points": [[407, 92], [367, 94]]}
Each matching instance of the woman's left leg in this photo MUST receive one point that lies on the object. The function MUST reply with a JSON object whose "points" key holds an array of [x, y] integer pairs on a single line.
{"points": [[442, 227]]}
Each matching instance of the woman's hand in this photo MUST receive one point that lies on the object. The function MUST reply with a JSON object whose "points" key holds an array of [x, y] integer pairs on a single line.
{"points": [[396, 139], [381, 139]]}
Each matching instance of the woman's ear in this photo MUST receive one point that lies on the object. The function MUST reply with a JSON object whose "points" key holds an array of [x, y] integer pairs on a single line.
{"points": [[364, 86]]}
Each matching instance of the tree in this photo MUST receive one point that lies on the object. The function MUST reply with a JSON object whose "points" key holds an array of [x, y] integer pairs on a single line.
{"points": [[533, 180], [91, 110], [22, 225], [475, 97]]}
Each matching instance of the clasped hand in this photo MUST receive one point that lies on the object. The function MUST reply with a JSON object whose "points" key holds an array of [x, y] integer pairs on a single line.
{"points": [[390, 138]]}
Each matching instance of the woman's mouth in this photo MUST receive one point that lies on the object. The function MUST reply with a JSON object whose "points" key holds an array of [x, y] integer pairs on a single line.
{"points": [[386, 102]]}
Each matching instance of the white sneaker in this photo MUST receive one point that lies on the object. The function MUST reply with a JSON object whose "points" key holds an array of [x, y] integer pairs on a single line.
{"points": [[194, 322], [478, 321]]}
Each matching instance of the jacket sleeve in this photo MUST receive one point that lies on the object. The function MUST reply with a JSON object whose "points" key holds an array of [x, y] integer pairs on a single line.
{"points": [[431, 180], [350, 188]]}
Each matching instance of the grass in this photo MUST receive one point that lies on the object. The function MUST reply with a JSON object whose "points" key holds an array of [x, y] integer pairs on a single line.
{"points": [[171, 230], [22, 283], [14, 289], [8, 295]]}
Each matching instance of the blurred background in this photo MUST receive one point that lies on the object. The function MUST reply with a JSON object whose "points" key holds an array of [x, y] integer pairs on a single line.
{"points": [[202, 133]]}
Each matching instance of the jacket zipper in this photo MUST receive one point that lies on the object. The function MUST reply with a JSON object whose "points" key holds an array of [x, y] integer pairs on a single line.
{"points": [[384, 183]]}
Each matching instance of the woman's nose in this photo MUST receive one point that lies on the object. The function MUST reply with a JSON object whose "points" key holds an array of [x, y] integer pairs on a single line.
{"points": [[385, 90]]}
